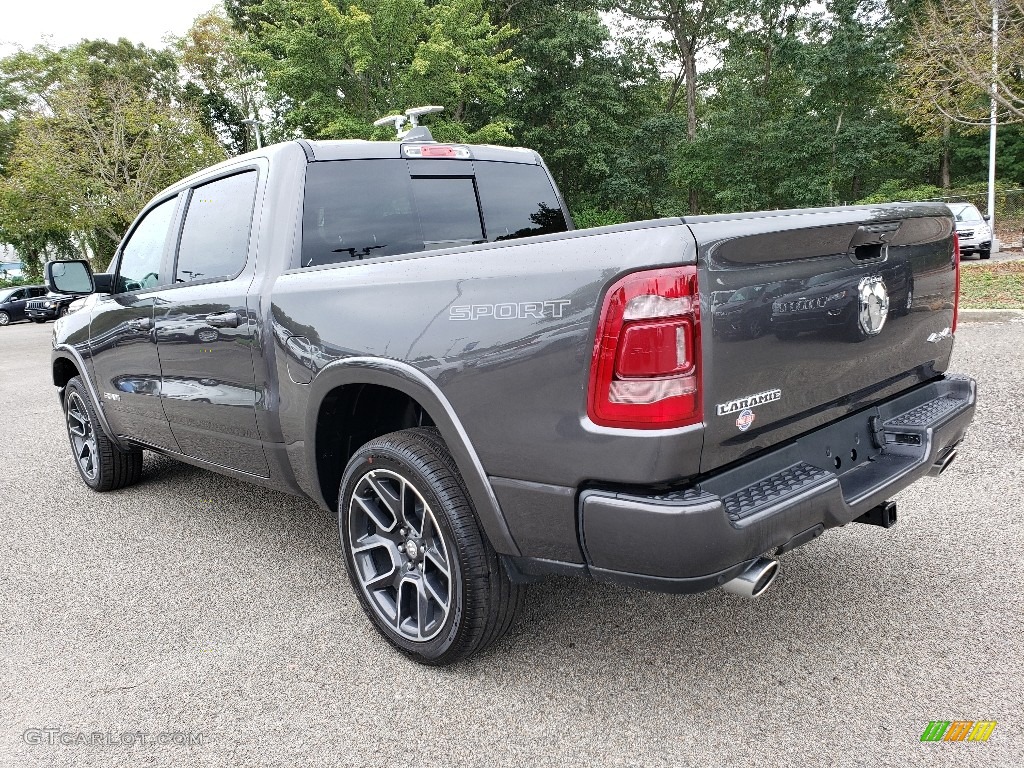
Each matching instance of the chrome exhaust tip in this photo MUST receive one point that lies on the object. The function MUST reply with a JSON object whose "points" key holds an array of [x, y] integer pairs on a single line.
{"points": [[755, 580], [942, 464]]}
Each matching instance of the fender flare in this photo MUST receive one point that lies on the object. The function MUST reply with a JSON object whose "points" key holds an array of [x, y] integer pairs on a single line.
{"points": [[72, 355], [411, 381]]}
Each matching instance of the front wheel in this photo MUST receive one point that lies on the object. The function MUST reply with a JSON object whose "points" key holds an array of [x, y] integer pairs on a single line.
{"points": [[5, 319], [985, 254], [102, 465], [63, 312], [422, 569]]}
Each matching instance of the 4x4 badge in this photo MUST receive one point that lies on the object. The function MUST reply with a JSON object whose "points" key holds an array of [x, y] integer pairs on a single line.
{"points": [[745, 419]]}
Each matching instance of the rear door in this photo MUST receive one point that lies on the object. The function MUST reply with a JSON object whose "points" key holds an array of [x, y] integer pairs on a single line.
{"points": [[205, 332], [808, 316], [125, 365]]}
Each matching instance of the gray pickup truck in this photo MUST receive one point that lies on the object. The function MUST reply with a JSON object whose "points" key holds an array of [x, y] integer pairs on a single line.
{"points": [[414, 335]]}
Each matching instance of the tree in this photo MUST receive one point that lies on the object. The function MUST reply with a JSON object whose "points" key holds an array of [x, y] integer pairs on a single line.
{"points": [[100, 132], [946, 68], [574, 99], [222, 86], [335, 67], [693, 27]]}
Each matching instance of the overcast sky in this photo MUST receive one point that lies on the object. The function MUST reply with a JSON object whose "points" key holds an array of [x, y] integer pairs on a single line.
{"points": [[28, 22]]}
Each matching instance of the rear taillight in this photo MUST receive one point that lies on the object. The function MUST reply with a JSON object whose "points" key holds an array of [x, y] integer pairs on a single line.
{"points": [[645, 373], [956, 268]]}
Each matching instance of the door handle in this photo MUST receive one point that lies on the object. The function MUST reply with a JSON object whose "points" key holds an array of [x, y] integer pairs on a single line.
{"points": [[142, 324], [223, 320]]}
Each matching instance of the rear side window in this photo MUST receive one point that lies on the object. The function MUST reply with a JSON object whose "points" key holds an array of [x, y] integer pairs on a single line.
{"points": [[359, 209], [215, 235], [518, 201]]}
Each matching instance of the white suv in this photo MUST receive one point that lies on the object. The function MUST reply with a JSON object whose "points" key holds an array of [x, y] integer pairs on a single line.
{"points": [[973, 230]]}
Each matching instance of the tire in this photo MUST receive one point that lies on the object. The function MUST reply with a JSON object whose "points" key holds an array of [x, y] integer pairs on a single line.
{"points": [[985, 254], [405, 519], [102, 465], [63, 312], [5, 319]]}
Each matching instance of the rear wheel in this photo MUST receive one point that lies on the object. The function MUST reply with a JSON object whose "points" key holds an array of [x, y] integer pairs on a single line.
{"points": [[422, 569], [102, 465], [5, 319]]}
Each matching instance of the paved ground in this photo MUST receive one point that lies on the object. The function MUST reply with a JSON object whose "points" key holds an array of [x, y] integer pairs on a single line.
{"points": [[193, 603]]}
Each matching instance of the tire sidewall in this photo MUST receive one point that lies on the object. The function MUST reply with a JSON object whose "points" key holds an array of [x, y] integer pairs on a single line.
{"points": [[386, 457], [74, 387]]}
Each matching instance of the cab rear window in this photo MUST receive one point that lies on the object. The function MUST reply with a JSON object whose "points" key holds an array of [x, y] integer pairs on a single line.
{"points": [[360, 209]]}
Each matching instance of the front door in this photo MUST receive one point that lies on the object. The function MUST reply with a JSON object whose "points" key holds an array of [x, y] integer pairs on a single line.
{"points": [[205, 334], [122, 346]]}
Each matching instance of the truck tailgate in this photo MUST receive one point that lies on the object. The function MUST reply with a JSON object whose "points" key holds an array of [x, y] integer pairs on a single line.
{"points": [[808, 317]]}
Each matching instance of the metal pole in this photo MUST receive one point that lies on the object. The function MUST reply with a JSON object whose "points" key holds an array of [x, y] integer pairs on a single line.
{"points": [[256, 127], [992, 125]]}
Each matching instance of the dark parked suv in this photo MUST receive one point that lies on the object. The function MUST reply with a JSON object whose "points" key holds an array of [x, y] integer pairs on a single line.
{"points": [[49, 307], [13, 302]]}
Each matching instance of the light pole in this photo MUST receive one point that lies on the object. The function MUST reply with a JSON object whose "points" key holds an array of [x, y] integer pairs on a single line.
{"points": [[992, 125], [255, 124]]}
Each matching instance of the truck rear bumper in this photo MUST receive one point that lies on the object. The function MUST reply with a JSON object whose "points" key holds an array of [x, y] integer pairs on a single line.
{"points": [[700, 538]]}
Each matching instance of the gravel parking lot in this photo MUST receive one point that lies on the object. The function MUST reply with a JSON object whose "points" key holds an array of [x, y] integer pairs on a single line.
{"points": [[195, 604]]}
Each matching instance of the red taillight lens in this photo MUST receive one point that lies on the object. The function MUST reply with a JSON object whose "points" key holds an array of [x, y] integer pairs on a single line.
{"points": [[655, 349], [956, 268], [645, 372]]}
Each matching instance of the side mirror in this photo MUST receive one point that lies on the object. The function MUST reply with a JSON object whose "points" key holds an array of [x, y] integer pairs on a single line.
{"points": [[70, 277], [987, 217]]}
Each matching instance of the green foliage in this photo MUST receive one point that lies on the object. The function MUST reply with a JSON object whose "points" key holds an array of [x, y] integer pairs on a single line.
{"points": [[100, 131], [335, 68], [221, 86], [893, 190]]}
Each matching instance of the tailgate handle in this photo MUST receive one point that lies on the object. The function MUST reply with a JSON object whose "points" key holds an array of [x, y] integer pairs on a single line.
{"points": [[871, 241]]}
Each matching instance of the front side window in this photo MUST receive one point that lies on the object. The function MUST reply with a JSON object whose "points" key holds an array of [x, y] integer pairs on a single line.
{"points": [[140, 258], [215, 235]]}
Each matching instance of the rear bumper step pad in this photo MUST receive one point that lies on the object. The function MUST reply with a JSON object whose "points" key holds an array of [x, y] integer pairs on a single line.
{"points": [[697, 538]]}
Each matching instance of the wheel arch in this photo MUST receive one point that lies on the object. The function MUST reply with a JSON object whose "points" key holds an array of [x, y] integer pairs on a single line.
{"points": [[68, 363], [409, 388]]}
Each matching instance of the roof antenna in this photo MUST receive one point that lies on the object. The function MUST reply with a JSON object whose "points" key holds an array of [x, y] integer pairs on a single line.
{"points": [[415, 131]]}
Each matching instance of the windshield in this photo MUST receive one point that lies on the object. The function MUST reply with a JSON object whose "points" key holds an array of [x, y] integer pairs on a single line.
{"points": [[967, 213]]}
